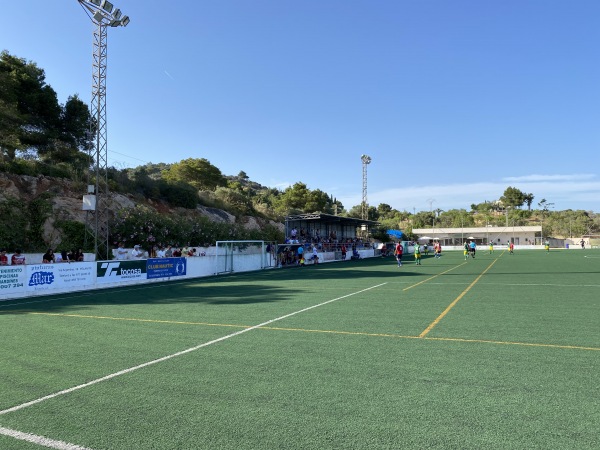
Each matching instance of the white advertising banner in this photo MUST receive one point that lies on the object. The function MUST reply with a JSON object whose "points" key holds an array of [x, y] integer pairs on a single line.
{"points": [[44, 277], [12, 280]]}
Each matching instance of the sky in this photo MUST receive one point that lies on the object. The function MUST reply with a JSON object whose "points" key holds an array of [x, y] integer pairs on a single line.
{"points": [[454, 100]]}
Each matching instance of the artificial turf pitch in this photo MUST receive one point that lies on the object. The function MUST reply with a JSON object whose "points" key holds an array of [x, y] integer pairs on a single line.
{"points": [[500, 351]]}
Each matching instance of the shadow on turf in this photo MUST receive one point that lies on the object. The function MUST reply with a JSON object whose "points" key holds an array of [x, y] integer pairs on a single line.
{"points": [[190, 291], [235, 289]]}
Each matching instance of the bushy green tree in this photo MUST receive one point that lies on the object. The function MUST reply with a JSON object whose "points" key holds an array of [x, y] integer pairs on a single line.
{"points": [[237, 201], [512, 197], [456, 218], [33, 119], [198, 172], [178, 194]]}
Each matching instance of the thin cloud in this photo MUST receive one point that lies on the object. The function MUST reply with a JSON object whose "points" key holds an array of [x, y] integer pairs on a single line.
{"points": [[536, 177], [169, 75], [564, 193]]}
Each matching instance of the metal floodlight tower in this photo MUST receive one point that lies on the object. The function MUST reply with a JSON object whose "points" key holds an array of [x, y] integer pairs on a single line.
{"points": [[366, 160], [103, 15]]}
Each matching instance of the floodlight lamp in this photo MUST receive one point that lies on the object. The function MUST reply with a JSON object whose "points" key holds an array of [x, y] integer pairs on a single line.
{"points": [[125, 20], [98, 16], [107, 6], [365, 159], [115, 23], [95, 2], [117, 14]]}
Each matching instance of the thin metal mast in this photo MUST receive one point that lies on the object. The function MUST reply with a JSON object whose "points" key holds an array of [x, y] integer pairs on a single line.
{"points": [[100, 215], [366, 160], [97, 218]]}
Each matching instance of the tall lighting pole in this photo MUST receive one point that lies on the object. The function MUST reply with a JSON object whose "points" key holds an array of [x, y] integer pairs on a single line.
{"points": [[366, 160], [103, 15]]}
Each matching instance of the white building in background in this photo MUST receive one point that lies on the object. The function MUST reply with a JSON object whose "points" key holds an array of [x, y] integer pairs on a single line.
{"points": [[518, 235]]}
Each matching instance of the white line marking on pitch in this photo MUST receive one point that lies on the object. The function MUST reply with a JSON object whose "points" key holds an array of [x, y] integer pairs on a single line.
{"points": [[40, 440], [183, 352]]}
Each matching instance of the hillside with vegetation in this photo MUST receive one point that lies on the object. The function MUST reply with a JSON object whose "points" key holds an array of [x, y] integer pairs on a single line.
{"points": [[46, 165]]}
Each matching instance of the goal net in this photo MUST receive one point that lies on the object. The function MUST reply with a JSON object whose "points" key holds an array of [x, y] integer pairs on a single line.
{"points": [[243, 256]]}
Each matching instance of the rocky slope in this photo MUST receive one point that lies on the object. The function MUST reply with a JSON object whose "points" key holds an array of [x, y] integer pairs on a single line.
{"points": [[66, 199]]}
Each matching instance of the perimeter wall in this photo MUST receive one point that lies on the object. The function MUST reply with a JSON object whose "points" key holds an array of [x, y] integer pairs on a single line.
{"points": [[33, 280]]}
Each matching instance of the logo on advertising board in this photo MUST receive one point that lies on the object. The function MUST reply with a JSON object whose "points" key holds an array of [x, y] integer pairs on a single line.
{"points": [[44, 277], [166, 267], [114, 271], [41, 278]]}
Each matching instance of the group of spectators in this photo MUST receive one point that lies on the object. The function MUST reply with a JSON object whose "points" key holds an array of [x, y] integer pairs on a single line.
{"points": [[329, 243], [157, 251], [50, 257], [297, 255], [17, 259]]}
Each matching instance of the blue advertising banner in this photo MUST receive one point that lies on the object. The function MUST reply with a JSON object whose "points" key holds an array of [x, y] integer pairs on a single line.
{"points": [[166, 267]]}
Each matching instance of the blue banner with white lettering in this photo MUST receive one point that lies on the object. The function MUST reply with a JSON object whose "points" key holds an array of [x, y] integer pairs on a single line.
{"points": [[166, 267]]}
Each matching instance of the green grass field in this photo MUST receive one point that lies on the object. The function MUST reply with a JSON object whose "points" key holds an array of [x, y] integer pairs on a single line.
{"points": [[501, 351]]}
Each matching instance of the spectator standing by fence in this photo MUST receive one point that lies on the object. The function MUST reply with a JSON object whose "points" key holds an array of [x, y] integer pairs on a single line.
{"points": [[3, 258], [62, 256], [137, 252], [48, 257], [78, 255], [315, 255], [18, 259], [121, 251]]}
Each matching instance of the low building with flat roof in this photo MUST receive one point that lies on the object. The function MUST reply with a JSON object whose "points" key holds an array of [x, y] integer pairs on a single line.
{"points": [[518, 235]]}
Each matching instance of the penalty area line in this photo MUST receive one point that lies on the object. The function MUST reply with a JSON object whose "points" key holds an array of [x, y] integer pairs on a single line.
{"points": [[174, 355], [40, 440]]}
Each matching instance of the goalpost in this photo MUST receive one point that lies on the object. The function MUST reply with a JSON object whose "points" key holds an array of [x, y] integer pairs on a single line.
{"points": [[243, 256]]}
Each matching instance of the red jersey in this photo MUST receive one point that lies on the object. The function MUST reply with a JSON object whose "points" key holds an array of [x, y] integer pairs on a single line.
{"points": [[17, 260], [399, 249]]}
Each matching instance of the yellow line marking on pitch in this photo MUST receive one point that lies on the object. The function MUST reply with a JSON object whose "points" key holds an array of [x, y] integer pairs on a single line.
{"points": [[176, 322], [526, 344], [451, 305], [431, 278], [305, 330], [352, 333], [399, 336]]}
